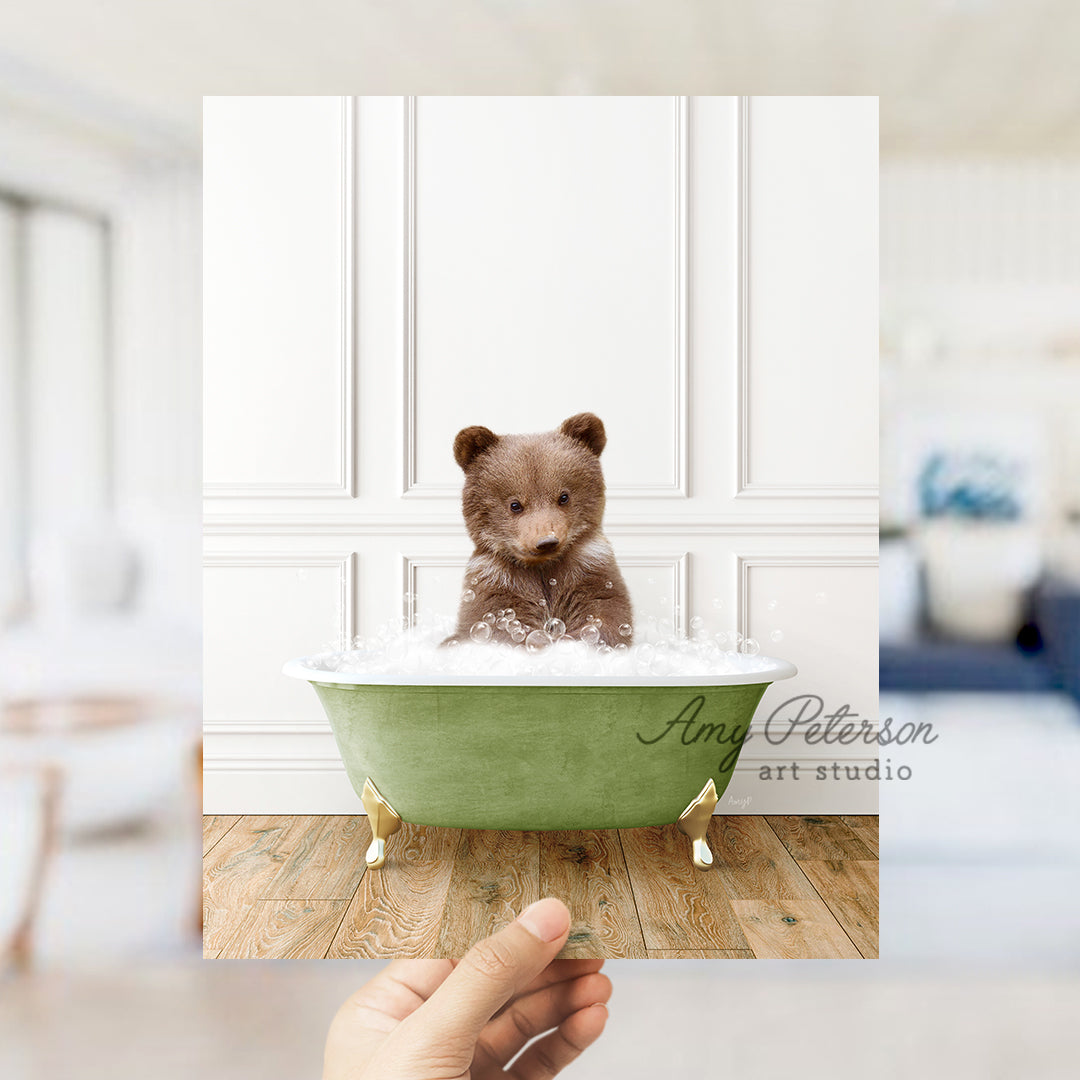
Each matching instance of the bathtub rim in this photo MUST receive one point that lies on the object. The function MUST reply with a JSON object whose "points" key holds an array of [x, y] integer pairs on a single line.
{"points": [[298, 669]]}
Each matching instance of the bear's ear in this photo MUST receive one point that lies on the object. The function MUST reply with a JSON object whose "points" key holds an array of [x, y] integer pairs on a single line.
{"points": [[470, 442], [587, 428]]}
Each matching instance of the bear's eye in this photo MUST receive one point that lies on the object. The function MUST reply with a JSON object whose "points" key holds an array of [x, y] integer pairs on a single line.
{"points": [[564, 498], [516, 507]]}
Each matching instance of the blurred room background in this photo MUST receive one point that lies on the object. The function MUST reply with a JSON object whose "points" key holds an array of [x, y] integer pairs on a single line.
{"points": [[980, 545], [99, 549], [99, 478]]}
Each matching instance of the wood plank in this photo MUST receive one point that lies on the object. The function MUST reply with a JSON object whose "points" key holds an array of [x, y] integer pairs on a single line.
{"points": [[285, 930], [327, 862], [818, 838], [701, 954], [859, 821], [238, 868], [850, 888], [587, 871], [496, 876], [396, 910], [865, 827], [753, 864], [214, 827], [679, 907], [792, 931]]}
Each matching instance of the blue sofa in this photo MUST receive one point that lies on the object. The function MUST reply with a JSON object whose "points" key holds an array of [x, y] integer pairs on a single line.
{"points": [[1045, 656]]}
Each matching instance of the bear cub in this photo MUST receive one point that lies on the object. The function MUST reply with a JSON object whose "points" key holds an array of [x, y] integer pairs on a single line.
{"points": [[533, 506]]}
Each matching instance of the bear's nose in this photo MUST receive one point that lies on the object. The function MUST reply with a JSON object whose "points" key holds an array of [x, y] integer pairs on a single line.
{"points": [[547, 545]]}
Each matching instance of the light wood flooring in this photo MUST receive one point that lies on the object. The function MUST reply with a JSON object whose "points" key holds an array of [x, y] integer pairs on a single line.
{"points": [[781, 887]]}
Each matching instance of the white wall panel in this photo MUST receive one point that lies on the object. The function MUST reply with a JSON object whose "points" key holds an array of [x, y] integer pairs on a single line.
{"points": [[546, 248], [260, 609], [809, 376], [825, 606], [277, 303]]}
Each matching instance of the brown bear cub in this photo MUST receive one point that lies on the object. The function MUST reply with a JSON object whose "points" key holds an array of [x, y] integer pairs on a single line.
{"points": [[533, 505]]}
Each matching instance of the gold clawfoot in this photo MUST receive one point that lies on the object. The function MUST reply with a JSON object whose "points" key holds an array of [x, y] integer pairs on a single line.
{"points": [[694, 821], [384, 821]]}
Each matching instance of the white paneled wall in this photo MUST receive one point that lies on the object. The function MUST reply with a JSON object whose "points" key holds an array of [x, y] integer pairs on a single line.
{"points": [[382, 272]]}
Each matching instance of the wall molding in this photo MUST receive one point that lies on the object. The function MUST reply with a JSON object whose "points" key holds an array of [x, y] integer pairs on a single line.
{"points": [[452, 526], [344, 487], [410, 564], [345, 563], [679, 486], [321, 729], [335, 764], [745, 563], [678, 564], [745, 487]]}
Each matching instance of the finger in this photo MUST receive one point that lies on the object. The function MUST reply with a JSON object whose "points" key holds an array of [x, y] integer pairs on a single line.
{"points": [[532, 1015], [548, 1056], [491, 973], [558, 971]]}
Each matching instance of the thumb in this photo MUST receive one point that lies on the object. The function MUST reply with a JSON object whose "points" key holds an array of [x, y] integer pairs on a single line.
{"points": [[492, 972]]}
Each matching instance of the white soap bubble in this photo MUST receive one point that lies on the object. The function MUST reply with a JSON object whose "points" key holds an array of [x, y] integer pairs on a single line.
{"points": [[537, 641], [480, 632], [489, 617], [777, 635], [589, 634], [552, 581], [609, 584], [772, 605], [517, 633], [555, 628], [468, 596], [626, 629], [510, 614], [751, 647]]}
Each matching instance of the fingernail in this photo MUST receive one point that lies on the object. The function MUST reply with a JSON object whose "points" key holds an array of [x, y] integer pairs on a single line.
{"points": [[547, 919]]}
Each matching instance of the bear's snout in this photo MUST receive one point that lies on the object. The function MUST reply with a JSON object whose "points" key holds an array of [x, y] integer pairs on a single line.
{"points": [[547, 545]]}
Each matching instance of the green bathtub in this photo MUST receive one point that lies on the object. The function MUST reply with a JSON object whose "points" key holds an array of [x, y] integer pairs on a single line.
{"points": [[508, 752]]}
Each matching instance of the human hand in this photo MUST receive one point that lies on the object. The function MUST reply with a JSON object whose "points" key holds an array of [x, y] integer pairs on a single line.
{"points": [[466, 1019]]}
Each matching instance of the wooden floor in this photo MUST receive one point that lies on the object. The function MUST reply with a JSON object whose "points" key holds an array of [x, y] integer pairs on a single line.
{"points": [[781, 887]]}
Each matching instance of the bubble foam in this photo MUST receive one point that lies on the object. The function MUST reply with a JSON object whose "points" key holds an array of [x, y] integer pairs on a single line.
{"points": [[417, 653]]}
